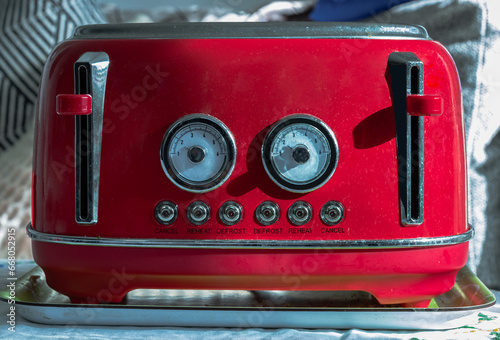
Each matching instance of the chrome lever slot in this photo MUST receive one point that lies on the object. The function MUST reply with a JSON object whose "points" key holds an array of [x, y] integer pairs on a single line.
{"points": [[407, 76], [91, 71]]}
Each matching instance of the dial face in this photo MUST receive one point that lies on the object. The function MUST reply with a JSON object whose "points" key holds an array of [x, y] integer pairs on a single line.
{"points": [[198, 153], [300, 153]]}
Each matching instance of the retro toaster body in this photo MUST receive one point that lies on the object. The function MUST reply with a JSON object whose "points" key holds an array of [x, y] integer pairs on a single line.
{"points": [[256, 156]]}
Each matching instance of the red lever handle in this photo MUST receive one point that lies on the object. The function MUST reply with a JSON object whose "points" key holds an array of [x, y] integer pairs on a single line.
{"points": [[424, 105], [73, 104]]}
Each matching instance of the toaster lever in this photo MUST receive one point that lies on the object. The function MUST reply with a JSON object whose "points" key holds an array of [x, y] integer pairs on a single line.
{"points": [[73, 104], [407, 77], [424, 105], [91, 71]]}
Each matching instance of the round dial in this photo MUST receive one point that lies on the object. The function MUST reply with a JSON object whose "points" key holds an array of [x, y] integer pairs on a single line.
{"points": [[300, 153], [198, 153]]}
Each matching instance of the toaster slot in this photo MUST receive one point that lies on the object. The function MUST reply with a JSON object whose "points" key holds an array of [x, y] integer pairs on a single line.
{"points": [[82, 130], [406, 75], [90, 78], [416, 172]]}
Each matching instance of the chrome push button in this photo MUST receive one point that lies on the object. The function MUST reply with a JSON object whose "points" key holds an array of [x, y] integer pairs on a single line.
{"points": [[267, 213], [166, 212], [198, 213], [230, 213], [299, 213], [332, 213]]}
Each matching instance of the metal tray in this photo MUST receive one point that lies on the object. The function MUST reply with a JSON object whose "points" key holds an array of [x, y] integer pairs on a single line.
{"points": [[37, 302]]}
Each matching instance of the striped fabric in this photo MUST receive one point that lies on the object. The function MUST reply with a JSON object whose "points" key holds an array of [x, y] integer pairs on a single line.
{"points": [[29, 29]]}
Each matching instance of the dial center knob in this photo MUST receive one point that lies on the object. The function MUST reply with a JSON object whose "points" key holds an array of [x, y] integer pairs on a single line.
{"points": [[196, 154], [301, 154]]}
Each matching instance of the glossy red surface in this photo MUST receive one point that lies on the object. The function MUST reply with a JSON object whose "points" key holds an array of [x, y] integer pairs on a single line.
{"points": [[249, 84], [92, 274]]}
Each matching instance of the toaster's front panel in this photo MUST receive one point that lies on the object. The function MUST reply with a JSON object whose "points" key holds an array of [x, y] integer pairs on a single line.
{"points": [[251, 139]]}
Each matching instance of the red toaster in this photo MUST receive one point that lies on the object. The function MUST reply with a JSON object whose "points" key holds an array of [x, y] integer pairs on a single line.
{"points": [[250, 156]]}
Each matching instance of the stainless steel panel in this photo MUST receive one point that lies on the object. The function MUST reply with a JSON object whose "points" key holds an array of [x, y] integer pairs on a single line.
{"points": [[245, 30]]}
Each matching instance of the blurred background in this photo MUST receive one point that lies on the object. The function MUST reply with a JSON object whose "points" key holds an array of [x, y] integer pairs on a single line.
{"points": [[470, 30]]}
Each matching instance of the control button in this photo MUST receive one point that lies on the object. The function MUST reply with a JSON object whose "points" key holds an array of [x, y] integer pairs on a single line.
{"points": [[198, 213], [166, 212], [332, 213], [230, 213], [267, 213], [300, 213]]}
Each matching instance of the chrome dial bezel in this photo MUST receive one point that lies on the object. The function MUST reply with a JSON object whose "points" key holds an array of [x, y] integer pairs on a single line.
{"points": [[222, 175], [273, 172]]}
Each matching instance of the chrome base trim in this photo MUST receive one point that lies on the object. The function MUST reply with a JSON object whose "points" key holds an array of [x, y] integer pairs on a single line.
{"points": [[252, 244]]}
